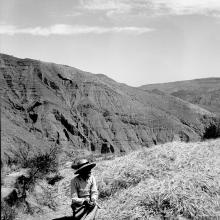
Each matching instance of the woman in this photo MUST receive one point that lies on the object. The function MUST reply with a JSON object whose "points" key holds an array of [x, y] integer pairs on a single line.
{"points": [[84, 191]]}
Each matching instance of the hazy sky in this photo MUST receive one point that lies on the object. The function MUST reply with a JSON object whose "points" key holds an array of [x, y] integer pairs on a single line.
{"points": [[135, 42]]}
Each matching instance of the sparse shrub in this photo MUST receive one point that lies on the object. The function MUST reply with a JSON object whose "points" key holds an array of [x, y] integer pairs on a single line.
{"points": [[7, 212], [213, 131], [40, 163], [20, 155], [43, 163]]}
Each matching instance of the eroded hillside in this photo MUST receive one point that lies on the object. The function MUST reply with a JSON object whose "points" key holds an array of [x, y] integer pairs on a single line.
{"points": [[45, 104]]}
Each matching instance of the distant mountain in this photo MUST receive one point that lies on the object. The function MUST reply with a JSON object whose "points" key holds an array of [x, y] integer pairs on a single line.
{"points": [[202, 92], [45, 104]]}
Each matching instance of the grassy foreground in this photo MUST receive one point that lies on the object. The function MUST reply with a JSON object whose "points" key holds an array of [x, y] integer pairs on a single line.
{"points": [[171, 181], [166, 181]]}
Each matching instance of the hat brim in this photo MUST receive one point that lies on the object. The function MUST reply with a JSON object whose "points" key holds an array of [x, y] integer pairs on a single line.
{"points": [[85, 167]]}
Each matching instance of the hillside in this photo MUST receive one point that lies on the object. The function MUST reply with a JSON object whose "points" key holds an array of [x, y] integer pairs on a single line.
{"points": [[46, 104], [202, 92], [175, 180]]}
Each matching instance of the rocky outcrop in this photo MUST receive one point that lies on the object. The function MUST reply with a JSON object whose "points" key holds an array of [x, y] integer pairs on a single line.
{"points": [[44, 104]]}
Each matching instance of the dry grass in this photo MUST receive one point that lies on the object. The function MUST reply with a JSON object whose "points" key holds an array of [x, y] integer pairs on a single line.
{"points": [[171, 181], [175, 179]]}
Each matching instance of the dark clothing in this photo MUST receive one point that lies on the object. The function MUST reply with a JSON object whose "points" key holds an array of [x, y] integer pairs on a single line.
{"points": [[85, 213]]}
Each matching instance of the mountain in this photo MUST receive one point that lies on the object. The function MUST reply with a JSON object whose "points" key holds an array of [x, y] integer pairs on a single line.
{"points": [[46, 104], [203, 92]]}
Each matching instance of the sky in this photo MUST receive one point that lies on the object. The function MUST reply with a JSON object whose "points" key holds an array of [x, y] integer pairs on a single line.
{"points": [[136, 42]]}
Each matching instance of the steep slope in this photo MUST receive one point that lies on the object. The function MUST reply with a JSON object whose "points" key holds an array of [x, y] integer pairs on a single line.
{"points": [[202, 92], [45, 104]]}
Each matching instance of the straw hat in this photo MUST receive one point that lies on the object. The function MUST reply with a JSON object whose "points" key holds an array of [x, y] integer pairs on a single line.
{"points": [[82, 165]]}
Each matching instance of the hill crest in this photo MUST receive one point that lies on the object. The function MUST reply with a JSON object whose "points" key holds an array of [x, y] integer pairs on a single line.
{"points": [[201, 92]]}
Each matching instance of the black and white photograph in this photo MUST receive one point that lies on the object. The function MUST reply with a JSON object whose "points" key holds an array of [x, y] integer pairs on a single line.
{"points": [[110, 109]]}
